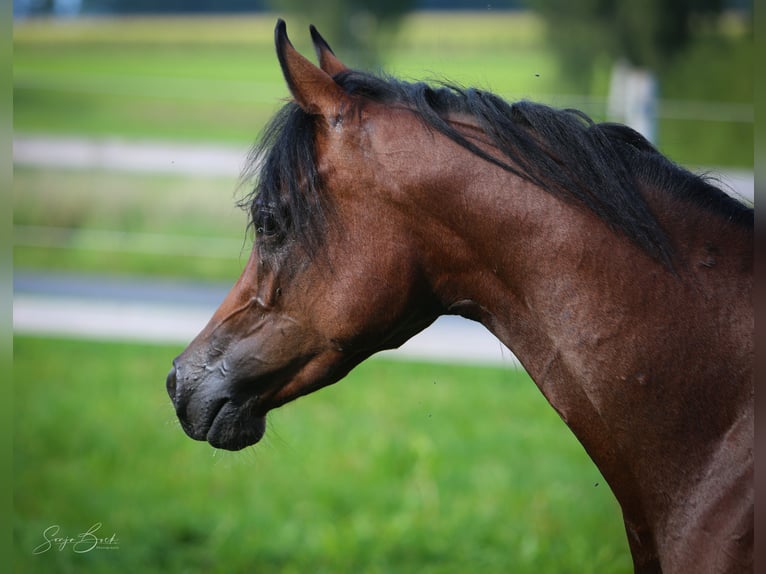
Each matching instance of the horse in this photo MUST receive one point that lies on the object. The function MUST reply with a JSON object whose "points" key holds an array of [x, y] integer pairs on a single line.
{"points": [[621, 281]]}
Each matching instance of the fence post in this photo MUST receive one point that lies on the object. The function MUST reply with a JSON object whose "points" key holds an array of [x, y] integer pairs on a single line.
{"points": [[633, 99]]}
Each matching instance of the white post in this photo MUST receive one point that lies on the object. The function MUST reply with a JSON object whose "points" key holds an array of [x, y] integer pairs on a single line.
{"points": [[633, 99]]}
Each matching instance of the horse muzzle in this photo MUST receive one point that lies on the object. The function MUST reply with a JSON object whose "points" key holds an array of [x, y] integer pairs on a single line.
{"points": [[208, 411]]}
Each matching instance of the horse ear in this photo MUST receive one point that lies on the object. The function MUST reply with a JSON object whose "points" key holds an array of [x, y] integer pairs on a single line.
{"points": [[328, 61], [314, 89]]}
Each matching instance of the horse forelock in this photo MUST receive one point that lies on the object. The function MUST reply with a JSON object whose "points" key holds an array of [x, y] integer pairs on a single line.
{"points": [[282, 174]]}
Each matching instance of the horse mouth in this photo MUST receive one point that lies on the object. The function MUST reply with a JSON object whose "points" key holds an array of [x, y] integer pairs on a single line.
{"points": [[222, 421], [234, 427], [226, 425]]}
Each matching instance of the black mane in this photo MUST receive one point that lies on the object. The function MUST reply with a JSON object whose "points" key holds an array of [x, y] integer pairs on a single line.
{"points": [[598, 165]]}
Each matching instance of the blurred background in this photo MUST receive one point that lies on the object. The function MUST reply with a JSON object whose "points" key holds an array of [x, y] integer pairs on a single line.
{"points": [[132, 120]]}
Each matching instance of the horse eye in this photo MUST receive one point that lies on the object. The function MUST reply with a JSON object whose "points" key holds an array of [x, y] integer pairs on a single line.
{"points": [[265, 223]]}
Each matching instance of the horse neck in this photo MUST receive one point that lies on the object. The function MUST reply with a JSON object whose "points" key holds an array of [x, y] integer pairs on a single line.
{"points": [[609, 335]]}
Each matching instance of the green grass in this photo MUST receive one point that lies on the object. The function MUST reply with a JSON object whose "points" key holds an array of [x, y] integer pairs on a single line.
{"points": [[714, 69], [402, 467], [133, 202]]}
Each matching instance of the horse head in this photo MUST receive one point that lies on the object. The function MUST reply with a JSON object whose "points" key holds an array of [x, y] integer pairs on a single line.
{"points": [[321, 291]]}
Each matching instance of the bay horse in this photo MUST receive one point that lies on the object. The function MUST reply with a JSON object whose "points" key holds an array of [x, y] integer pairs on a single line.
{"points": [[622, 282]]}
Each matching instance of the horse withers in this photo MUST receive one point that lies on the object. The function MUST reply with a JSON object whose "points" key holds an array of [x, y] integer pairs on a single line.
{"points": [[622, 282]]}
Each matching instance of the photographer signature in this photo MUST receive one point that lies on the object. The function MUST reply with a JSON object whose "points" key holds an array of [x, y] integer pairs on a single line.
{"points": [[80, 544]]}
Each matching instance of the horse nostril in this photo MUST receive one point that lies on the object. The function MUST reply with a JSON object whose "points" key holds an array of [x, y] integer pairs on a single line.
{"points": [[170, 384]]}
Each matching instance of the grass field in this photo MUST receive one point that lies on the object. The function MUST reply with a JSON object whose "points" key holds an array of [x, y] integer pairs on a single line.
{"points": [[402, 467]]}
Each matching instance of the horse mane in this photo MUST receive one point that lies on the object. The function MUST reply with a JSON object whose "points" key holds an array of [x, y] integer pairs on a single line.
{"points": [[563, 151]]}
